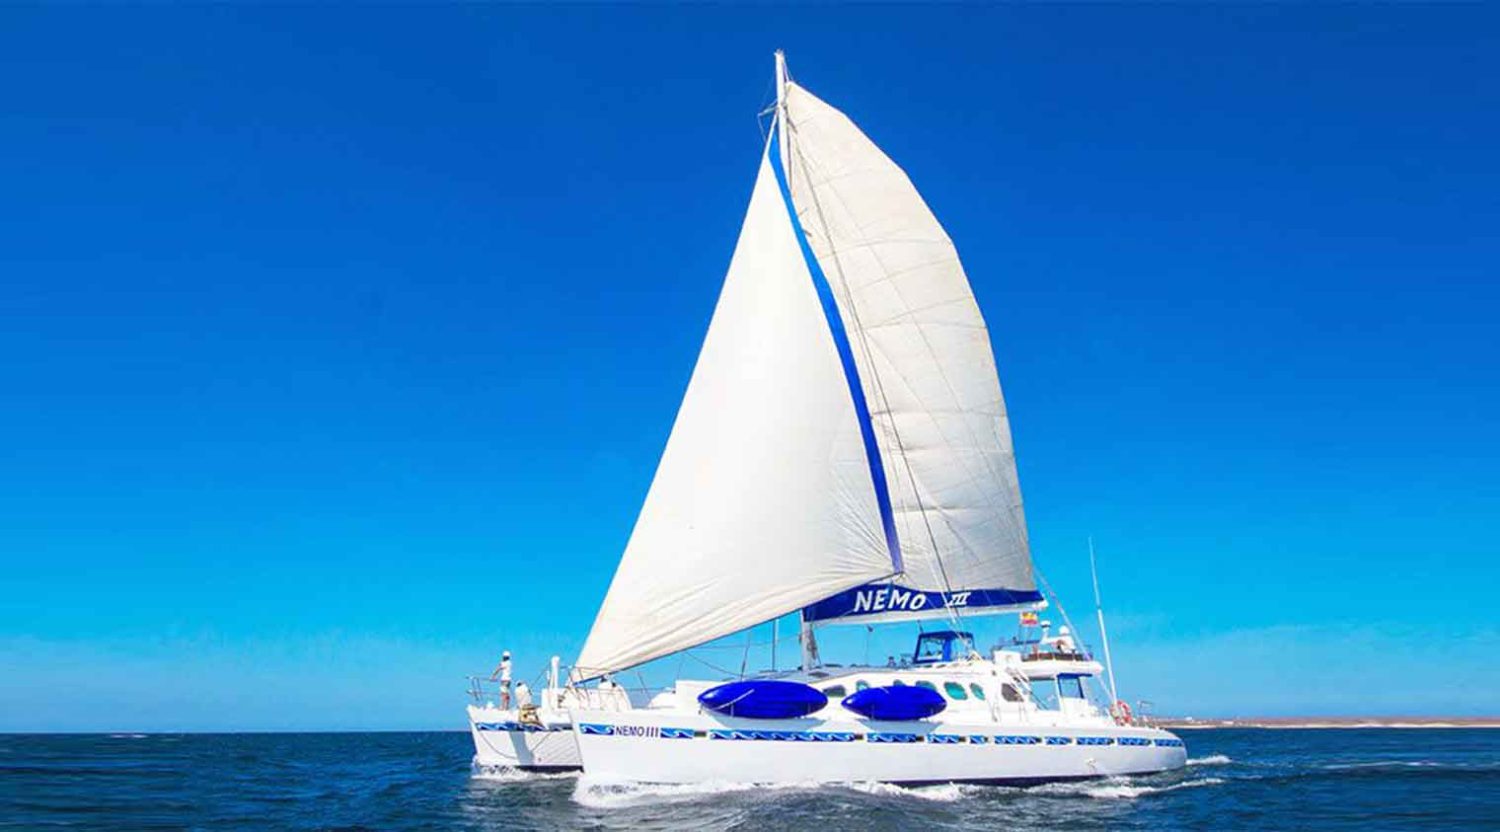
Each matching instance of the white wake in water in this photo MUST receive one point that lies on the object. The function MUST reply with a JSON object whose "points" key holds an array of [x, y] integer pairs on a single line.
{"points": [[602, 794], [506, 774], [1393, 764], [942, 793], [1119, 788], [1211, 760], [608, 794]]}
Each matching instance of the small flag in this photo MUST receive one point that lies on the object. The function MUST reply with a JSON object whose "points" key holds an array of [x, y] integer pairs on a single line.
{"points": [[1029, 619]]}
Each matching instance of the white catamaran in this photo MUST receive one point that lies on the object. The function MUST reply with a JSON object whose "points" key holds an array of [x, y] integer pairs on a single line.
{"points": [[842, 451]]}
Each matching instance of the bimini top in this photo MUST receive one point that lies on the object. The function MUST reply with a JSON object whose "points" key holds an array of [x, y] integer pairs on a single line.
{"points": [[843, 444]]}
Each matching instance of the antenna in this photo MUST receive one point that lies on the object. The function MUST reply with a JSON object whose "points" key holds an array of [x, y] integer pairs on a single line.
{"points": [[780, 77], [1109, 666]]}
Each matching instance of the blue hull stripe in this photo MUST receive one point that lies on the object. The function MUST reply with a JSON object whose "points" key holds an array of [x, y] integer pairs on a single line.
{"points": [[518, 726], [879, 737], [846, 356]]}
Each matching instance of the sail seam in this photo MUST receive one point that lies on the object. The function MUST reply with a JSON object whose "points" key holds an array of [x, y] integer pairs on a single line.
{"points": [[891, 420], [846, 358], [951, 255]]}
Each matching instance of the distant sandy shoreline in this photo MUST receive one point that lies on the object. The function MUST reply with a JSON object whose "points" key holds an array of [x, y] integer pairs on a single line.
{"points": [[1331, 722]]}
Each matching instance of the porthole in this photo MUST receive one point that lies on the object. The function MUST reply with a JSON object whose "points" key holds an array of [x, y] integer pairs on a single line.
{"points": [[978, 691], [955, 691], [835, 692]]}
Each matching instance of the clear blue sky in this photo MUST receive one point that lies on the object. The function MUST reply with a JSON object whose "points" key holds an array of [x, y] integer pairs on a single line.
{"points": [[339, 345]]}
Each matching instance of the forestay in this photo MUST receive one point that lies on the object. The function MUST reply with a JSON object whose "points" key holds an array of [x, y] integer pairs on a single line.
{"points": [[763, 501], [925, 362]]}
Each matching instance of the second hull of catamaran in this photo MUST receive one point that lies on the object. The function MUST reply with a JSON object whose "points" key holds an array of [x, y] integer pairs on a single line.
{"points": [[661, 747], [537, 738], [503, 741]]}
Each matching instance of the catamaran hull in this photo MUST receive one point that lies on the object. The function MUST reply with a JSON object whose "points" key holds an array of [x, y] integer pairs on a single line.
{"points": [[666, 748], [502, 741]]}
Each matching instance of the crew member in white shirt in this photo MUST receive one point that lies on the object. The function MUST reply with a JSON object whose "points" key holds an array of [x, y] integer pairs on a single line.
{"points": [[502, 672]]}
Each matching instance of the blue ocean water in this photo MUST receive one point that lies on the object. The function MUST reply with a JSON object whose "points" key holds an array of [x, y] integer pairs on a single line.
{"points": [[1367, 779]]}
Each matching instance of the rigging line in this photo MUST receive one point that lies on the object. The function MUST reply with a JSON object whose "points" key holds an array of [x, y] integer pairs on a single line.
{"points": [[745, 657], [1068, 622], [724, 670], [953, 613]]}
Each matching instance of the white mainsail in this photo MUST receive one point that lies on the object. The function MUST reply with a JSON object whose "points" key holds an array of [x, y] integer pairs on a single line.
{"points": [[762, 502], [924, 358], [844, 424]]}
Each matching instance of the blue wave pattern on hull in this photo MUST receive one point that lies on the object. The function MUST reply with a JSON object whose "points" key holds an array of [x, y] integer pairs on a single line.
{"points": [[898, 737], [518, 726], [891, 736], [783, 736]]}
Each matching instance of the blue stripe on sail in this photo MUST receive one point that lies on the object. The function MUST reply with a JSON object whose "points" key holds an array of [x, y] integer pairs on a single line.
{"points": [[887, 599], [846, 356]]}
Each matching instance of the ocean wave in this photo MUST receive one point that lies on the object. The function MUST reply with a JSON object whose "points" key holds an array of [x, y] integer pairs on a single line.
{"points": [[507, 774], [614, 794], [940, 793], [607, 794], [1211, 760], [1119, 788], [1378, 764]]}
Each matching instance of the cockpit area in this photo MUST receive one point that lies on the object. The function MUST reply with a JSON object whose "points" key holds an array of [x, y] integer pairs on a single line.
{"points": [[943, 646]]}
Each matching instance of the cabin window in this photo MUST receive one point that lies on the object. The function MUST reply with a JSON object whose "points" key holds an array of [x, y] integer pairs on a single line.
{"points": [[861, 685], [977, 690], [928, 685], [898, 684], [955, 691], [1071, 687], [835, 692], [1009, 693]]}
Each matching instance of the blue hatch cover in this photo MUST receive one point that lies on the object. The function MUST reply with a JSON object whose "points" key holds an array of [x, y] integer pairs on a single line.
{"points": [[895, 703], [764, 699]]}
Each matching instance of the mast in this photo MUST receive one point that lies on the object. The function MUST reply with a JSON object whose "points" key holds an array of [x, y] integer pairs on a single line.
{"points": [[780, 125], [1109, 666]]}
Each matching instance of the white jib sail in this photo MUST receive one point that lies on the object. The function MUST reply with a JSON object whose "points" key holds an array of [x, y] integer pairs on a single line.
{"points": [[763, 501], [928, 371]]}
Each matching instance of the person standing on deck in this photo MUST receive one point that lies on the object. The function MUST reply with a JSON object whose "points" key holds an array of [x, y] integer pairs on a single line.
{"points": [[502, 672]]}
